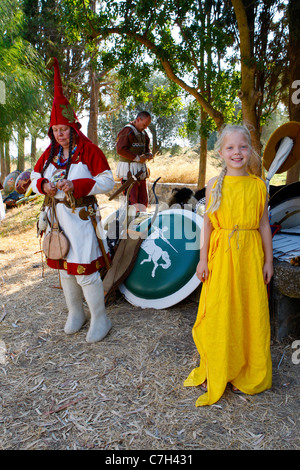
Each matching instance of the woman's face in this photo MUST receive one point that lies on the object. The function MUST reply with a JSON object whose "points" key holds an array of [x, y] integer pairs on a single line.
{"points": [[62, 135]]}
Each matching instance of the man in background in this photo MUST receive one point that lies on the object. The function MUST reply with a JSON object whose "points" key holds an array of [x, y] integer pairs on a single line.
{"points": [[133, 147]]}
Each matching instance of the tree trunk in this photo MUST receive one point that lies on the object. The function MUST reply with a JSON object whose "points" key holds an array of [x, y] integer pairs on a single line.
{"points": [[33, 151], [155, 144], [203, 155], [21, 151], [2, 162], [202, 162], [247, 94], [94, 101], [250, 120], [7, 158], [94, 97], [294, 75]]}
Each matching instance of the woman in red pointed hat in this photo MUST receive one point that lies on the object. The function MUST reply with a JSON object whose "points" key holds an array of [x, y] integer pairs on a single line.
{"points": [[70, 172]]}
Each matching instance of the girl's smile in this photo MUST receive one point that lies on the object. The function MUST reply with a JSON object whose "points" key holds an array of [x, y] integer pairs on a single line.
{"points": [[235, 152]]}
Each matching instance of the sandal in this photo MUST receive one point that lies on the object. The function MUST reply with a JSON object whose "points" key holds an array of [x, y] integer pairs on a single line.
{"points": [[235, 390], [203, 386]]}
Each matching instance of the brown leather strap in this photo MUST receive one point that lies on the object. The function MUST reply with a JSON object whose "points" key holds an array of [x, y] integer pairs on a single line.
{"points": [[80, 202]]}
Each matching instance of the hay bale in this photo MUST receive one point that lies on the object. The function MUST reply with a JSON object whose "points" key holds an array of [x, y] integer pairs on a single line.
{"points": [[287, 279]]}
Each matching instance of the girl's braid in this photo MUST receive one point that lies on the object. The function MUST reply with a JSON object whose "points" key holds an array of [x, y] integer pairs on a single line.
{"points": [[52, 152], [216, 192], [70, 153]]}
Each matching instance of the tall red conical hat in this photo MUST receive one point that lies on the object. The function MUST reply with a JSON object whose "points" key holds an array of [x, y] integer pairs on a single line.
{"points": [[62, 112]]}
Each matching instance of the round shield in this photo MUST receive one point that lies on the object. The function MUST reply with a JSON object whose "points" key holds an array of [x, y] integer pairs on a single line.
{"points": [[286, 192], [23, 181], [9, 182], [165, 269], [286, 213]]}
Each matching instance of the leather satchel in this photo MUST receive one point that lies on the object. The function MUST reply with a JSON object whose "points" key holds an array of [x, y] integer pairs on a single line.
{"points": [[55, 244]]}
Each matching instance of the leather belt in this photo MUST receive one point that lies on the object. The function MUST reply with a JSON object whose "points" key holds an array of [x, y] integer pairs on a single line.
{"points": [[80, 202]]}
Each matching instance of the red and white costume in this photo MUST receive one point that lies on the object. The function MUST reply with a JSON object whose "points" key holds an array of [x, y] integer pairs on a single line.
{"points": [[91, 175]]}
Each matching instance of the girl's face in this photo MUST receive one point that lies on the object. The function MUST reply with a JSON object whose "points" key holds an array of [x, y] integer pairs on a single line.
{"points": [[62, 135], [236, 152]]}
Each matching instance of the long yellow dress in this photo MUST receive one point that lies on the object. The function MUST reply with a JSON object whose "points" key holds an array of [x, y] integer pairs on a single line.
{"points": [[232, 329]]}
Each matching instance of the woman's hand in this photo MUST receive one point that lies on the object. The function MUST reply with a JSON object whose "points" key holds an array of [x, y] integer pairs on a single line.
{"points": [[49, 189], [65, 185]]}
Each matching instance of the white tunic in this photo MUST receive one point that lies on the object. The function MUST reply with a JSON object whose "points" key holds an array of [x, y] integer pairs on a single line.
{"points": [[84, 256]]}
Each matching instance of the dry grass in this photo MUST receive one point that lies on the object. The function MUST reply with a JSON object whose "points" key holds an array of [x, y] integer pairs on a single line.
{"points": [[183, 167], [179, 168], [58, 392]]}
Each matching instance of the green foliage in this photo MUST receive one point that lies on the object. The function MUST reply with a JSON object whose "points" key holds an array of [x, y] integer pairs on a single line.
{"points": [[19, 70], [160, 98], [196, 43], [186, 40]]}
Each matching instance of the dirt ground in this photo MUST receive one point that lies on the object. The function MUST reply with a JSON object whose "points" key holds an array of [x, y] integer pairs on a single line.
{"points": [[58, 392]]}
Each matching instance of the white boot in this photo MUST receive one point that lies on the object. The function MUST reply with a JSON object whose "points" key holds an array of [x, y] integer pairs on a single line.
{"points": [[74, 300], [100, 323]]}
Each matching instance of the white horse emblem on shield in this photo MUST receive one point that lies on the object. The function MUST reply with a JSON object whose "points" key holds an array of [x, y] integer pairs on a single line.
{"points": [[155, 252]]}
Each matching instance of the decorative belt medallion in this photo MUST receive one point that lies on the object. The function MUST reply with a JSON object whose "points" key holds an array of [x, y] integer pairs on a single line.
{"points": [[80, 269]]}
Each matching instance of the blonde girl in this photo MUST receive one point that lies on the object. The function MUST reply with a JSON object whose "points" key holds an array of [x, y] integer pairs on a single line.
{"points": [[232, 331]]}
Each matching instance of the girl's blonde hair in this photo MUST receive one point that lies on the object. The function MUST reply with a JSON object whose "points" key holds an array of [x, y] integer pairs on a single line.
{"points": [[216, 192]]}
